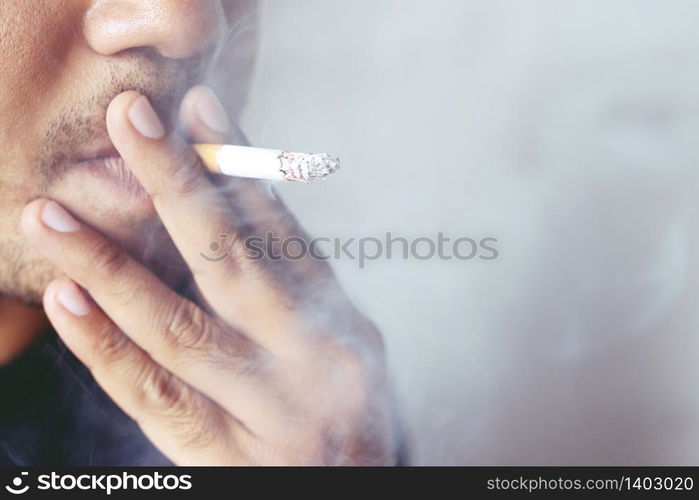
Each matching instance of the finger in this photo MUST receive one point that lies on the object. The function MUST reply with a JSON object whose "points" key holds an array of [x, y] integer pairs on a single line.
{"points": [[202, 119], [175, 332], [195, 213], [184, 424], [203, 122], [261, 209], [253, 196]]}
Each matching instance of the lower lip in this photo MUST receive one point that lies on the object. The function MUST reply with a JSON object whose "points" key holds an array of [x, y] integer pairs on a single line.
{"points": [[114, 170]]}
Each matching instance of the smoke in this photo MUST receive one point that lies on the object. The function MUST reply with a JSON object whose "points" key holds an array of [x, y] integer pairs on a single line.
{"points": [[565, 131]]}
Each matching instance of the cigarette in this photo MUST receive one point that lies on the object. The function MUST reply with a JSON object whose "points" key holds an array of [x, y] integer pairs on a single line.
{"points": [[271, 164]]}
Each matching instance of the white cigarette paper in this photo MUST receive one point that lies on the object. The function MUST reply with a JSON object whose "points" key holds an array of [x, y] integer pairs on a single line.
{"points": [[271, 164]]}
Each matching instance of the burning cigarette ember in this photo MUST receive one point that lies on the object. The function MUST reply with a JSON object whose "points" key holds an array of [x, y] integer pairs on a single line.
{"points": [[271, 164]]}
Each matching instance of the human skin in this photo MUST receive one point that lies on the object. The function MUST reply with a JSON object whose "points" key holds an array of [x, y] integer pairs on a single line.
{"points": [[259, 362]]}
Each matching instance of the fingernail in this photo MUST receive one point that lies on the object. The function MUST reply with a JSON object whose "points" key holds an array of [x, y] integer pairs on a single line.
{"points": [[57, 218], [211, 111], [144, 119], [73, 298]]}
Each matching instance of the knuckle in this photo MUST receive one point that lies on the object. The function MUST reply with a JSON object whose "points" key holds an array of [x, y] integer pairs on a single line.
{"points": [[187, 173], [176, 402], [108, 258], [189, 327], [161, 389], [112, 346], [240, 357]]}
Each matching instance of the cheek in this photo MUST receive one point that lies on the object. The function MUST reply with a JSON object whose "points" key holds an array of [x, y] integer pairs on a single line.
{"points": [[35, 43]]}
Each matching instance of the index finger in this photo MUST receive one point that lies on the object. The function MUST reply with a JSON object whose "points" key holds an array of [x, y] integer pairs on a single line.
{"points": [[195, 213]]}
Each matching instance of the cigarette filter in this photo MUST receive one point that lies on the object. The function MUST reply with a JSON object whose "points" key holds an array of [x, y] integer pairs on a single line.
{"points": [[272, 164]]}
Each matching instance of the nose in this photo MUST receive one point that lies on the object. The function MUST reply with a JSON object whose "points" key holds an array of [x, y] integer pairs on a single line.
{"points": [[175, 28]]}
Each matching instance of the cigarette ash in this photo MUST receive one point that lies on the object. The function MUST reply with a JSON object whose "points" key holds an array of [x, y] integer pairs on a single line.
{"points": [[305, 167]]}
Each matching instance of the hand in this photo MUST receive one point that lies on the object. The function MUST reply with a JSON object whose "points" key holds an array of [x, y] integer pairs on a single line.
{"points": [[268, 364]]}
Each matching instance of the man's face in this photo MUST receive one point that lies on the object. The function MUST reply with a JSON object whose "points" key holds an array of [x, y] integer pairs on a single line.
{"points": [[61, 63]]}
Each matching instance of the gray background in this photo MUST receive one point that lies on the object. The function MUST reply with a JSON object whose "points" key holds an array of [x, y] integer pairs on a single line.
{"points": [[565, 129]]}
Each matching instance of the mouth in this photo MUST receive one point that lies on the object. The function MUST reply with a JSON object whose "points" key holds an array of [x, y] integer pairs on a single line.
{"points": [[105, 162]]}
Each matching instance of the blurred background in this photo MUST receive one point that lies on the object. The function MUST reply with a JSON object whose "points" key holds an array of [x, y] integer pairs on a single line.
{"points": [[564, 129]]}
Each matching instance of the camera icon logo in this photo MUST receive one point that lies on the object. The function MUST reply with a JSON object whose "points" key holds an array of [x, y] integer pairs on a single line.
{"points": [[16, 487]]}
